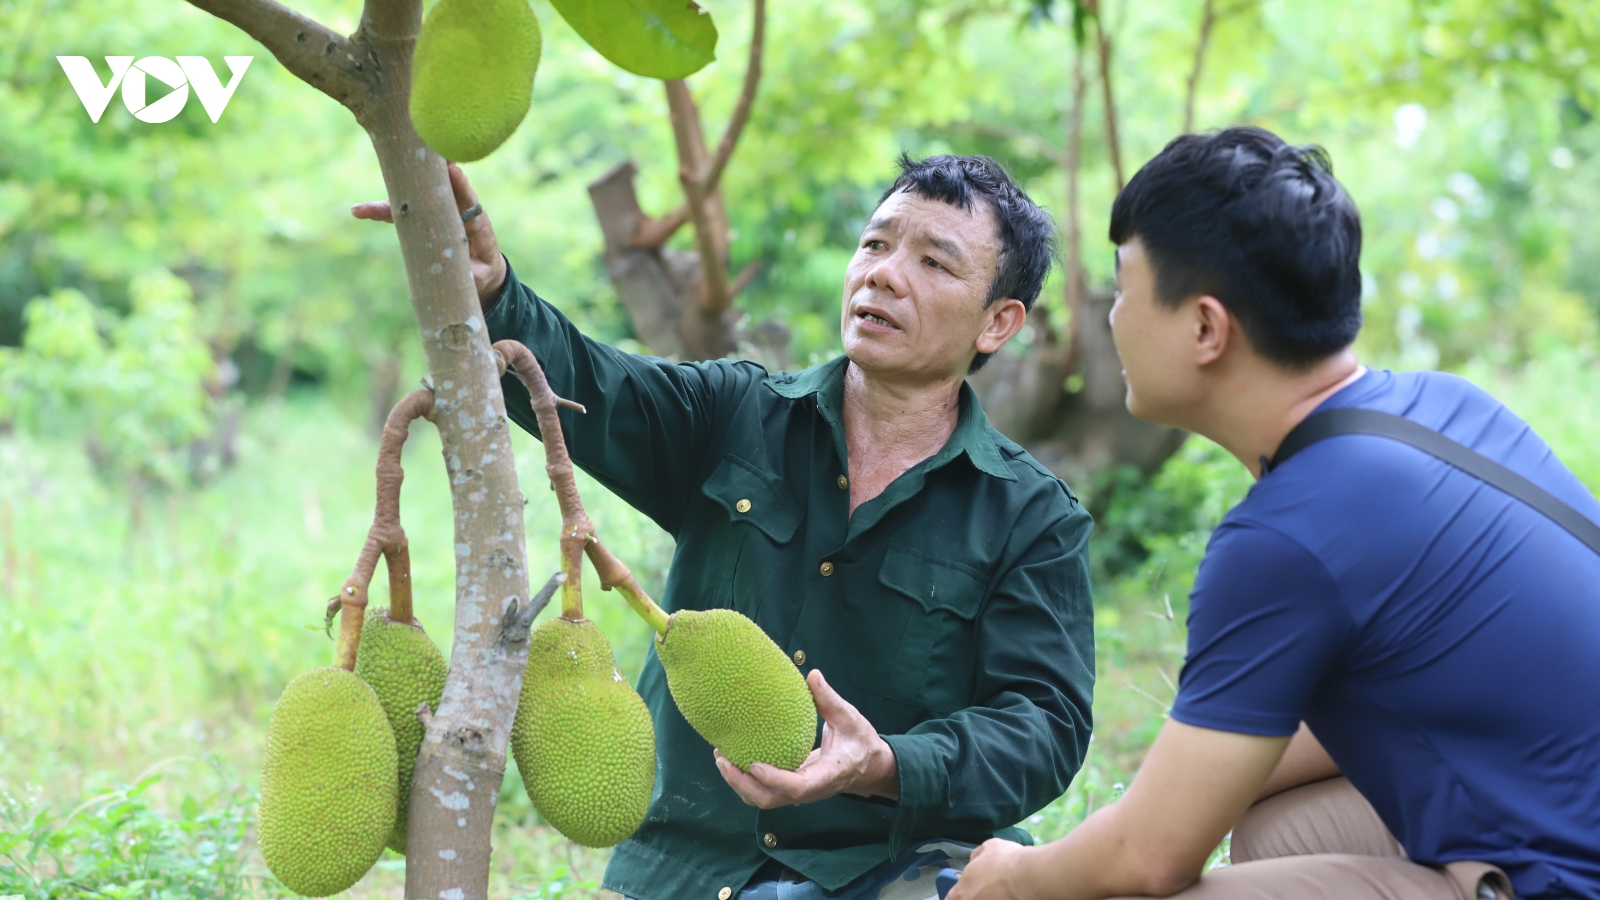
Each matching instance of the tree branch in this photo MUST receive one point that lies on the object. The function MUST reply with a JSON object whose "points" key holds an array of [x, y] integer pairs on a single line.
{"points": [[1208, 20], [1076, 282], [741, 110], [714, 295], [1114, 148], [329, 62], [652, 233], [576, 529], [743, 279]]}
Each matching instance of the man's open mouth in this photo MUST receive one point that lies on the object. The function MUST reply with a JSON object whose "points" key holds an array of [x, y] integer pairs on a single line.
{"points": [[875, 319]]}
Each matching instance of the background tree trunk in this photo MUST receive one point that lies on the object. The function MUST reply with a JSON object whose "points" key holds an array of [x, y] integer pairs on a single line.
{"points": [[1074, 432], [681, 302]]}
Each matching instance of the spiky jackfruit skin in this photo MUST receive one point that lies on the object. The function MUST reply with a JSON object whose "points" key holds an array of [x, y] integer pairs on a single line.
{"points": [[328, 787], [737, 688], [403, 667], [472, 75], [583, 737]]}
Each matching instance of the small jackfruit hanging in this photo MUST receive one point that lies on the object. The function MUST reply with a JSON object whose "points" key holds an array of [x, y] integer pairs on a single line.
{"points": [[737, 688], [583, 738], [405, 670], [472, 75], [328, 783]]}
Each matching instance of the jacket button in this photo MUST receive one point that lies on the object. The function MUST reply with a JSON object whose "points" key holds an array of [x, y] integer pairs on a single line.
{"points": [[799, 657], [742, 506], [826, 569], [771, 840], [725, 893], [843, 482]]}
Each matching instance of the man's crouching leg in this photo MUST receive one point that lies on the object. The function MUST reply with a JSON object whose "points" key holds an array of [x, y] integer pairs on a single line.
{"points": [[1324, 841]]}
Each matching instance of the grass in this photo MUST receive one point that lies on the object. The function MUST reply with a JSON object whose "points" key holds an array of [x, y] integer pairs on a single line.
{"points": [[139, 661]]}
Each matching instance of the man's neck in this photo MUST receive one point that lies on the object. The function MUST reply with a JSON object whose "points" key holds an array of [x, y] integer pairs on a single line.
{"points": [[890, 426], [1257, 410]]}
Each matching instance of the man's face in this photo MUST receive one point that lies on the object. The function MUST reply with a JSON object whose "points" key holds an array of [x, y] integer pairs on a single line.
{"points": [[914, 291], [1156, 343]]}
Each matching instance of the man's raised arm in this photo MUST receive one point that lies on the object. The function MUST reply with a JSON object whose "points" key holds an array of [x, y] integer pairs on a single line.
{"points": [[649, 422]]}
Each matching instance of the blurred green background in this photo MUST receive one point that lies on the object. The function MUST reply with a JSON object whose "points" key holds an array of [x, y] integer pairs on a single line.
{"points": [[196, 340]]}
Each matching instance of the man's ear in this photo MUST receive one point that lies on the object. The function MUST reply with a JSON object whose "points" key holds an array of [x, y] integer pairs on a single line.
{"points": [[1002, 320], [1213, 329]]}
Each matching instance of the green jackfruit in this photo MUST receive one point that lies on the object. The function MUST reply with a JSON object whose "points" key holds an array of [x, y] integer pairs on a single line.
{"points": [[738, 688], [404, 668], [583, 738], [328, 785], [472, 75]]}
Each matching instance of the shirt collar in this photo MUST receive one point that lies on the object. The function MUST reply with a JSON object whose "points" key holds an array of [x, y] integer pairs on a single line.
{"points": [[972, 426]]}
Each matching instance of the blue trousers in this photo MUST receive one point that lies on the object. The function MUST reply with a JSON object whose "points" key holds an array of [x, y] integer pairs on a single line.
{"points": [[909, 876]]}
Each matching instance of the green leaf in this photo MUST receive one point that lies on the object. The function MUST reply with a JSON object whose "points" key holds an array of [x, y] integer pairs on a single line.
{"points": [[664, 39]]}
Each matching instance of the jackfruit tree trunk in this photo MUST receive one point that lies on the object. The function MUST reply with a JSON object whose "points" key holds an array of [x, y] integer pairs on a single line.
{"points": [[463, 756]]}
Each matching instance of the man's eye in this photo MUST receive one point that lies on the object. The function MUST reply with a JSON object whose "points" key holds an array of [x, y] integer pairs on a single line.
{"points": [[873, 244], [933, 263]]}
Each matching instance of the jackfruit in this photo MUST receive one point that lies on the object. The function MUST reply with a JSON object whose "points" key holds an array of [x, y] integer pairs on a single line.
{"points": [[404, 668], [737, 688], [328, 784], [583, 738], [472, 75]]}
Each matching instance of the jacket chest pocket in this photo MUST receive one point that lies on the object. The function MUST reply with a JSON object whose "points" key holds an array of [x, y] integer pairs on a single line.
{"points": [[743, 553], [936, 600]]}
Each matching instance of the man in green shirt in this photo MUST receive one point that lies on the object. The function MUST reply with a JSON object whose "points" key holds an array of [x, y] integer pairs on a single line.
{"points": [[866, 516]]}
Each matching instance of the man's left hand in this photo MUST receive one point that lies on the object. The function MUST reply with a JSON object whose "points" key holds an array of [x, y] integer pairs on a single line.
{"points": [[852, 759]]}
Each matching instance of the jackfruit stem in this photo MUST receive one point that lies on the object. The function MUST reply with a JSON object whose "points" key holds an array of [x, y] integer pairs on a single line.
{"points": [[576, 529], [613, 574], [385, 537]]}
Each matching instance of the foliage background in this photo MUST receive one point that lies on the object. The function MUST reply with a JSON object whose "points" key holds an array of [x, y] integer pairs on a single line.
{"points": [[194, 337]]}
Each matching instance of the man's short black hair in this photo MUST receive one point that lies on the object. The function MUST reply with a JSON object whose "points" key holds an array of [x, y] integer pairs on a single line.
{"points": [[1260, 225], [1027, 233]]}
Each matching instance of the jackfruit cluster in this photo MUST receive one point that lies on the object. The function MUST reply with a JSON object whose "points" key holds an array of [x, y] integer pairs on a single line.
{"points": [[329, 785], [472, 75], [583, 738], [737, 688], [403, 667]]}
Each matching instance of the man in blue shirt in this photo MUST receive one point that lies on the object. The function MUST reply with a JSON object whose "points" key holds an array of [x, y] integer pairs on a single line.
{"points": [[1392, 687]]}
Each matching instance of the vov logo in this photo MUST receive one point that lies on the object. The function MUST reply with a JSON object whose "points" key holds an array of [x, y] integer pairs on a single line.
{"points": [[134, 78]]}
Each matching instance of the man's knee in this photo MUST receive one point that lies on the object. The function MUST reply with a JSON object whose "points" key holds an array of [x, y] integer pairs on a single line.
{"points": [[1328, 816]]}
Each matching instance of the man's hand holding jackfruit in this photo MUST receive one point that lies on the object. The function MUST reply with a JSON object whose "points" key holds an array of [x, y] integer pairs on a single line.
{"points": [[852, 759], [488, 266]]}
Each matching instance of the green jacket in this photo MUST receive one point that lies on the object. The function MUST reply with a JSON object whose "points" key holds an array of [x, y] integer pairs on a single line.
{"points": [[953, 610]]}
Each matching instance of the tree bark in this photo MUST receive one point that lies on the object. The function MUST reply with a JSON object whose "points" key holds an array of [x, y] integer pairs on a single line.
{"points": [[463, 755]]}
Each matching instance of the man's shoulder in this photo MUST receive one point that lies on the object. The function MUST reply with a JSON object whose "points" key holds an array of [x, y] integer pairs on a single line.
{"points": [[1031, 474]]}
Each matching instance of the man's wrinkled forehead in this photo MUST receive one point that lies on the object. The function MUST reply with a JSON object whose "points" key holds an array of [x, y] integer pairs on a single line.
{"points": [[905, 212]]}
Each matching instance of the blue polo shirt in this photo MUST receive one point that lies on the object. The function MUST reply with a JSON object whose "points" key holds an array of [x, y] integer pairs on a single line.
{"points": [[1440, 638]]}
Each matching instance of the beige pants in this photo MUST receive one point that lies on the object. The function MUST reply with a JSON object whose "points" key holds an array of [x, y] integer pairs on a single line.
{"points": [[1324, 841]]}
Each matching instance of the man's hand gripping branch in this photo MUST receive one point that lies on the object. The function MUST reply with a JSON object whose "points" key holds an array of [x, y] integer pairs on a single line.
{"points": [[488, 266]]}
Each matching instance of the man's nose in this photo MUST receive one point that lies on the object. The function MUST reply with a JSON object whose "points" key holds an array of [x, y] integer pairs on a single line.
{"points": [[888, 275]]}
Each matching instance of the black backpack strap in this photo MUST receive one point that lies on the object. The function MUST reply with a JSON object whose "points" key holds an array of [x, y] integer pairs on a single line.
{"points": [[1331, 422]]}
